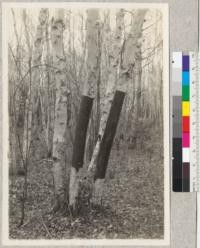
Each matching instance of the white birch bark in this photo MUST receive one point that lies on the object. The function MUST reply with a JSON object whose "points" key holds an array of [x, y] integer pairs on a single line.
{"points": [[92, 28], [62, 92], [46, 99], [114, 57], [131, 49]]}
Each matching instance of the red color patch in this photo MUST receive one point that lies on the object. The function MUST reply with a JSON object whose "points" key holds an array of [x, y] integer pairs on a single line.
{"points": [[186, 124]]}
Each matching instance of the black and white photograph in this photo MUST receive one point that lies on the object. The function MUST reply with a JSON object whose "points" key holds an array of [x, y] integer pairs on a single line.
{"points": [[86, 123]]}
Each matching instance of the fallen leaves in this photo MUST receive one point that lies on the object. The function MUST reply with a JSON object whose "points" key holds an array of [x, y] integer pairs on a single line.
{"points": [[132, 204]]}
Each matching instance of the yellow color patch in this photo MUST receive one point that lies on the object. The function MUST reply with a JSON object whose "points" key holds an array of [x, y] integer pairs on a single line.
{"points": [[185, 108]]}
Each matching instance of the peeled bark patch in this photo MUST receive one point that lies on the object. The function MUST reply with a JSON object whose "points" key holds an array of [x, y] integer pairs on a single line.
{"points": [[98, 192], [109, 134], [73, 188], [81, 131]]}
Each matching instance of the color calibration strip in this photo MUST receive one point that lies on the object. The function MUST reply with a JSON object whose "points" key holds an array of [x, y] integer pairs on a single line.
{"points": [[177, 121], [185, 122]]}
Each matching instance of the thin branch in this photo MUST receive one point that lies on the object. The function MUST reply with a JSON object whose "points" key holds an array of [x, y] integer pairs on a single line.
{"points": [[152, 52], [44, 225], [16, 64], [152, 24]]}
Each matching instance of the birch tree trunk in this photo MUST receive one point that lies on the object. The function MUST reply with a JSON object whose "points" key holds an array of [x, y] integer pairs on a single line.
{"points": [[93, 127], [92, 26], [128, 58], [46, 99], [34, 61], [28, 112], [60, 122], [114, 56], [107, 127]]}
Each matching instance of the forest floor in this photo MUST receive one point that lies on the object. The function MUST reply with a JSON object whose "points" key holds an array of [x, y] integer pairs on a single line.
{"points": [[132, 205]]}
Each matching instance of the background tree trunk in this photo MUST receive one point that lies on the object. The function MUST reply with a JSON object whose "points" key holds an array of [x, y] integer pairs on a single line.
{"points": [[33, 96], [46, 95], [32, 100], [16, 108]]}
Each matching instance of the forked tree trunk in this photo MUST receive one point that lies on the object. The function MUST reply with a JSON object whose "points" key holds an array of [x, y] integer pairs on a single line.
{"points": [[60, 122], [92, 26], [128, 58]]}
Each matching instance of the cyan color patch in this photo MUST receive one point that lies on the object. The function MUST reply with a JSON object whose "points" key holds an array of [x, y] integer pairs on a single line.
{"points": [[185, 78]]}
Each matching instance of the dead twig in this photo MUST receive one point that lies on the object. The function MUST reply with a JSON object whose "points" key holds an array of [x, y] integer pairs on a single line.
{"points": [[44, 225]]}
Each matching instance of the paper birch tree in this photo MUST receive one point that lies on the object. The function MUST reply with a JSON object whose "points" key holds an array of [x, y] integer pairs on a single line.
{"points": [[128, 54], [60, 121]]}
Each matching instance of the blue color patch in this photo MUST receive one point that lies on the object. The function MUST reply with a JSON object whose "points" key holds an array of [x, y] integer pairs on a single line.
{"points": [[186, 63], [185, 78]]}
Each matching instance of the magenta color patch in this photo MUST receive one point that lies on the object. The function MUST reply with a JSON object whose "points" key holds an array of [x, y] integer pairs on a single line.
{"points": [[186, 140]]}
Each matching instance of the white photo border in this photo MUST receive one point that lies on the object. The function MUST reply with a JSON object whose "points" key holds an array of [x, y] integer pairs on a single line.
{"points": [[163, 7]]}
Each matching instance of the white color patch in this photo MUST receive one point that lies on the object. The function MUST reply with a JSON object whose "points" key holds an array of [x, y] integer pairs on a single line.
{"points": [[177, 60], [186, 155]]}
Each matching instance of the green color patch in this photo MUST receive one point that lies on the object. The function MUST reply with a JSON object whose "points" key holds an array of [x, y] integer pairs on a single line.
{"points": [[185, 93]]}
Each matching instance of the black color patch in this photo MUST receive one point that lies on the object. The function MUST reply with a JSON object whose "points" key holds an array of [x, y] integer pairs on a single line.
{"points": [[177, 165]]}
